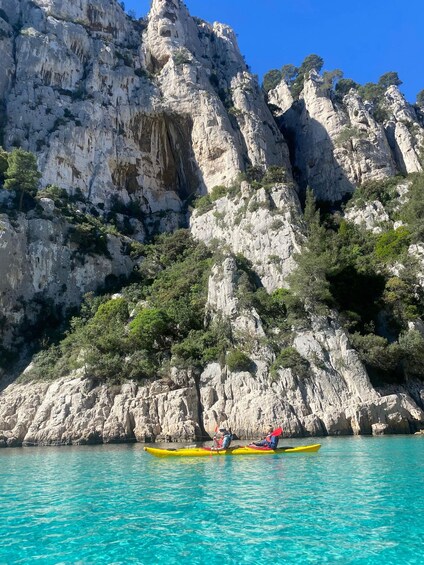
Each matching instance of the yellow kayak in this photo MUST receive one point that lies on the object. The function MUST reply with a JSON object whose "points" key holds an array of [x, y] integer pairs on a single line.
{"points": [[236, 450]]}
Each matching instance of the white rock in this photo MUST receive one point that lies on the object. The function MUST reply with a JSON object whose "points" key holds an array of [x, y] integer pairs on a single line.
{"points": [[370, 217], [266, 227]]}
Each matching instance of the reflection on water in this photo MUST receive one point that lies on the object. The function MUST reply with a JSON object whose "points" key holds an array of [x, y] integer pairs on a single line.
{"points": [[358, 500]]}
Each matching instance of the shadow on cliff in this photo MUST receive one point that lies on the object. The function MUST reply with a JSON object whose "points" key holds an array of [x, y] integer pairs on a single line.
{"points": [[311, 152]]}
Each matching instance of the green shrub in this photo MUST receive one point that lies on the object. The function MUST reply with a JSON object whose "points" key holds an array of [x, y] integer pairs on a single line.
{"points": [[203, 346], [402, 298], [391, 244], [115, 310], [218, 192], [289, 73], [59, 196], [330, 79], [411, 344], [389, 79], [290, 358], [382, 190], [203, 204], [44, 366], [89, 235], [150, 328], [347, 134], [22, 174], [344, 86], [182, 57], [274, 175], [237, 360], [272, 308], [412, 213], [380, 357]]}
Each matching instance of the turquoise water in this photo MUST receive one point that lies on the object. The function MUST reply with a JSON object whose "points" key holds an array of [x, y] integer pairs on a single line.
{"points": [[358, 500]]}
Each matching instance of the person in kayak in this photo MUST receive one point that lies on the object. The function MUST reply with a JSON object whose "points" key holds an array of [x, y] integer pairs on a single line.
{"points": [[271, 439], [222, 440]]}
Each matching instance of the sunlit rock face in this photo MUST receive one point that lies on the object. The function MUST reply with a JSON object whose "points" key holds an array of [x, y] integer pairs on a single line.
{"points": [[405, 132], [141, 116], [144, 111], [202, 74], [335, 145], [265, 226]]}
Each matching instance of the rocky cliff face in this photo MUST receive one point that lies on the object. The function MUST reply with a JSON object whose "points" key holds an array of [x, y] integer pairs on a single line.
{"points": [[263, 225], [336, 397], [131, 110], [46, 270], [129, 115], [337, 145], [134, 118]]}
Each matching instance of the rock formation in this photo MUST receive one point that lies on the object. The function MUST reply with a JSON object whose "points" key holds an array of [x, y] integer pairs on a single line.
{"points": [[337, 144], [133, 119], [263, 225], [47, 270], [336, 398]]}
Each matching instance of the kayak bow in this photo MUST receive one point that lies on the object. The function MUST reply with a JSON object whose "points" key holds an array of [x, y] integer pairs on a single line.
{"points": [[236, 450]]}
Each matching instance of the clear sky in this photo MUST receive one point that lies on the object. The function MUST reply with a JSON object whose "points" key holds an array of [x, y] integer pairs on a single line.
{"points": [[363, 38]]}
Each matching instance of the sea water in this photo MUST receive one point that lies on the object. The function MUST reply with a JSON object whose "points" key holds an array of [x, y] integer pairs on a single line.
{"points": [[358, 500]]}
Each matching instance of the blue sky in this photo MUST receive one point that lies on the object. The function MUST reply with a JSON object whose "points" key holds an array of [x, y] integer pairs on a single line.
{"points": [[363, 38]]}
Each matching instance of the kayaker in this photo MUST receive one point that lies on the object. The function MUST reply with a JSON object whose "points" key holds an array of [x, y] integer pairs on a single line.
{"points": [[271, 439], [222, 440]]}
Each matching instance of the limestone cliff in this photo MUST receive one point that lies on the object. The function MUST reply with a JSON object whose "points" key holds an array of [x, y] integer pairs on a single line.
{"points": [[130, 109], [124, 115], [337, 145], [47, 267], [263, 225], [135, 119], [336, 397]]}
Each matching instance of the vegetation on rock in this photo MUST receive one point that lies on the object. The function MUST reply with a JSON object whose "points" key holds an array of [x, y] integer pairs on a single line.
{"points": [[21, 174], [335, 85], [371, 279], [132, 335]]}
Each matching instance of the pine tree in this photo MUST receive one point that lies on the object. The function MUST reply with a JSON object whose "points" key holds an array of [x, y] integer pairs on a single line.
{"points": [[22, 173], [309, 281]]}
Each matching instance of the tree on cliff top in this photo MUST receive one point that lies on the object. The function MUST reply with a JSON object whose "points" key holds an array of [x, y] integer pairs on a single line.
{"points": [[22, 173], [293, 76], [389, 79], [272, 79], [310, 63]]}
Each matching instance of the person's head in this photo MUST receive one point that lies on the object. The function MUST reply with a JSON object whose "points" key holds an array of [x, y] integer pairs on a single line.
{"points": [[224, 432], [269, 428]]}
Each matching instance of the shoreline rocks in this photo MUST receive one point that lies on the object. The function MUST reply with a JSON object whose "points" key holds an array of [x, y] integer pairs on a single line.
{"points": [[79, 411]]}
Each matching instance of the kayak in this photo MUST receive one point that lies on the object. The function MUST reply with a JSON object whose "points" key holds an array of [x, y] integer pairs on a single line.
{"points": [[236, 450]]}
